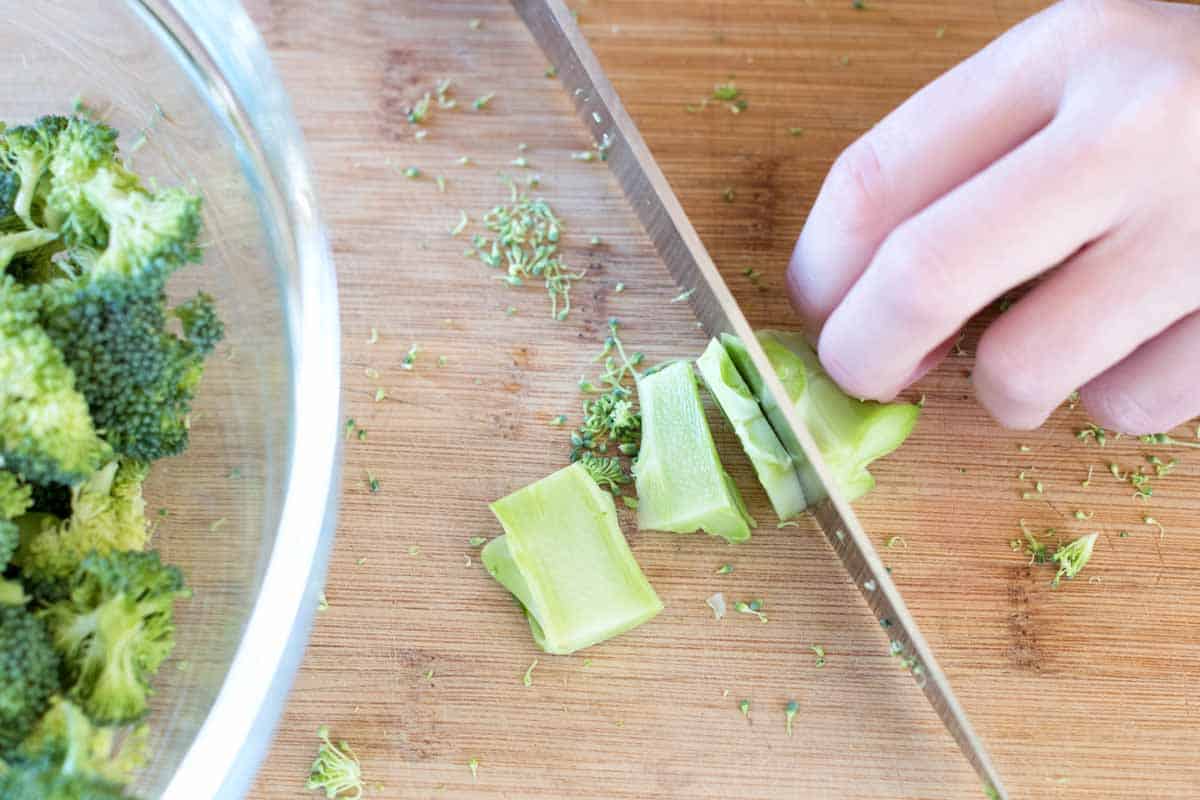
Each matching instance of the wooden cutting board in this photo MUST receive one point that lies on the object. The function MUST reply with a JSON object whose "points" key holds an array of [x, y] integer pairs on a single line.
{"points": [[1084, 691]]}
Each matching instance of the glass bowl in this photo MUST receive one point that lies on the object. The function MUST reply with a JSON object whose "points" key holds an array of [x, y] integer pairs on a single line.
{"points": [[247, 512]]}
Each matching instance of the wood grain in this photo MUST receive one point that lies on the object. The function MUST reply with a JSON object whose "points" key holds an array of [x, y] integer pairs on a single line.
{"points": [[1082, 691]]}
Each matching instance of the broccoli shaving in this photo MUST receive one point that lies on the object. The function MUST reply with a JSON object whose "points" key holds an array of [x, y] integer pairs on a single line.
{"points": [[611, 419], [1072, 557], [336, 770], [525, 247], [1162, 438]]}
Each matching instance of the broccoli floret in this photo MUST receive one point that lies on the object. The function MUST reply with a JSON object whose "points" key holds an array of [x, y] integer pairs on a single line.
{"points": [[66, 734], [25, 152], [107, 513], [15, 496], [46, 432], [336, 769], [28, 674], [45, 777], [63, 178], [138, 377], [148, 235], [15, 499], [81, 147], [115, 630]]}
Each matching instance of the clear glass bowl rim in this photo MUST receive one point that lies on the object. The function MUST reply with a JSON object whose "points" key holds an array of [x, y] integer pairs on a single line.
{"points": [[219, 46]]}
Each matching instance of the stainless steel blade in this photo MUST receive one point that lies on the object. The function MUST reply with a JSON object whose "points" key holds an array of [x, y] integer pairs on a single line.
{"points": [[680, 247]]}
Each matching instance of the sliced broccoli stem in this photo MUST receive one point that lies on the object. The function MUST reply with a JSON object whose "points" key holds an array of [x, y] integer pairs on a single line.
{"points": [[774, 467], [850, 433], [563, 556], [681, 484]]}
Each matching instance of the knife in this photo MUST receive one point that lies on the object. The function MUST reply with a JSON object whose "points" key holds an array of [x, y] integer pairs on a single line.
{"points": [[647, 190]]}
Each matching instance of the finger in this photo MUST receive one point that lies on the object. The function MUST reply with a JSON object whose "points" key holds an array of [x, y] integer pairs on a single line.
{"points": [[1155, 388], [1085, 317], [941, 136], [1022, 215]]}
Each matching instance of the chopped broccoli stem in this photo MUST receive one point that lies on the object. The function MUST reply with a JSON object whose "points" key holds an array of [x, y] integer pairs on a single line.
{"points": [[774, 467], [565, 559], [681, 484], [849, 433]]}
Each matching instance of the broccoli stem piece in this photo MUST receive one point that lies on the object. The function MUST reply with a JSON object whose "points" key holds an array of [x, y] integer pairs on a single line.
{"points": [[681, 484], [565, 559], [774, 467], [850, 433]]}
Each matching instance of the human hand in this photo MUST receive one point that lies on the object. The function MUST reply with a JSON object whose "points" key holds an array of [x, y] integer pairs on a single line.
{"points": [[1072, 144]]}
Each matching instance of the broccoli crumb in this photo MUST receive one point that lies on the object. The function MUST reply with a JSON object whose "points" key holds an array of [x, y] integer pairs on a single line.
{"points": [[527, 678], [819, 652]]}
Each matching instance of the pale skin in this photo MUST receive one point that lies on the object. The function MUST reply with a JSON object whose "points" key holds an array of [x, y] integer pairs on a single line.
{"points": [[1068, 150]]}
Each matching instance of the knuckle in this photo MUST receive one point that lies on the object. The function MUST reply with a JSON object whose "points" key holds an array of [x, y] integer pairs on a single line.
{"points": [[1099, 16], [856, 187], [920, 277]]}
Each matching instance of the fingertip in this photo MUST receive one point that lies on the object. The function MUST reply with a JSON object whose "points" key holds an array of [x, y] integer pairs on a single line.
{"points": [[1005, 389], [1118, 410], [810, 303], [845, 366]]}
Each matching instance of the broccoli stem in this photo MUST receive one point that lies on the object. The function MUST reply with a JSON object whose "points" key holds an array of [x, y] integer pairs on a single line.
{"points": [[681, 484], [563, 556], [772, 464]]}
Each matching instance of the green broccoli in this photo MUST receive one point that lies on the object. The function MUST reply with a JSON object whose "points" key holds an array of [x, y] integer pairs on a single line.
{"points": [[114, 630], [25, 152], [15, 499], [147, 234], [70, 183], [13, 244], [106, 753], [336, 769], [47, 777], [137, 376], [107, 513], [46, 432], [28, 674], [97, 375]]}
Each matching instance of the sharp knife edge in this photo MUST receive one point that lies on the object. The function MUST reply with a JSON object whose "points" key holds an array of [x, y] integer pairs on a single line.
{"points": [[681, 250]]}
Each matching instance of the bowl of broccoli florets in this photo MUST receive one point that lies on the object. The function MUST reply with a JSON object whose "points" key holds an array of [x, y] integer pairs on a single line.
{"points": [[168, 401]]}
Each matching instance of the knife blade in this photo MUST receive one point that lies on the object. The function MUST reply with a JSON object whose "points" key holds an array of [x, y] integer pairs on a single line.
{"points": [[685, 256]]}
